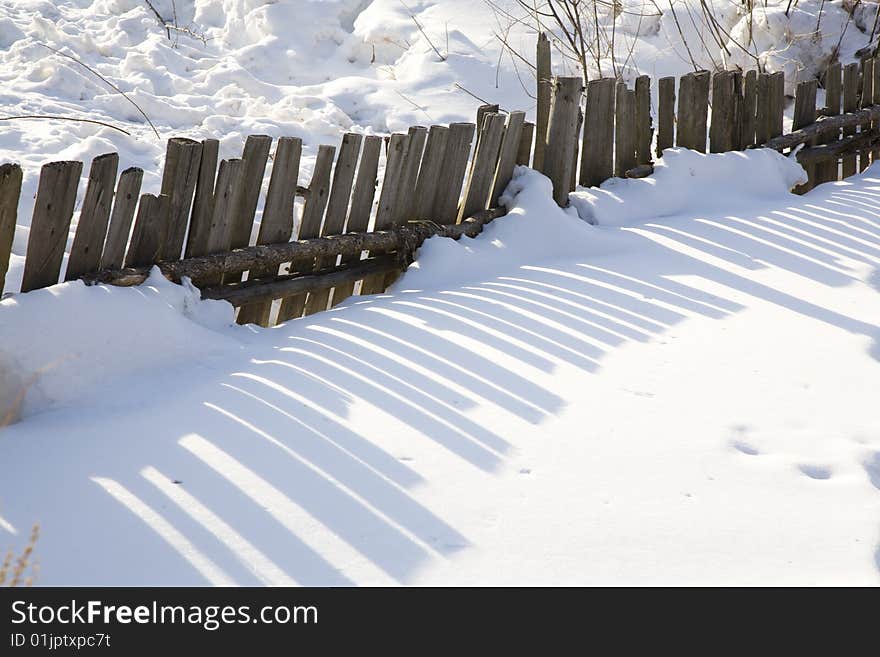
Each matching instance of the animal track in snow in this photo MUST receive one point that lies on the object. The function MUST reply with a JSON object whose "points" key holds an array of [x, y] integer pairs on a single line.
{"points": [[815, 471], [745, 448]]}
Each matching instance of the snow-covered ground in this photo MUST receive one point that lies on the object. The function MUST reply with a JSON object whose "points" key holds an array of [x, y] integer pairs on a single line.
{"points": [[685, 399]]}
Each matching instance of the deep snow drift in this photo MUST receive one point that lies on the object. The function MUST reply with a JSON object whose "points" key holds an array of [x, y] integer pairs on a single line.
{"points": [[680, 400]]}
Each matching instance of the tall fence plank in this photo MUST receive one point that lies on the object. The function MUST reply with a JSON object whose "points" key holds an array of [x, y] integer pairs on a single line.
{"points": [[866, 99], [253, 167], [277, 222], [828, 171], [228, 180], [310, 226], [693, 107], [762, 119], [451, 180], [182, 159], [150, 231], [53, 210], [777, 103], [749, 109], [624, 131], [91, 229], [10, 191], [597, 154], [849, 162], [804, 115], [203, 204], [562, 136], [644, 124], [125, 202], [545, 94], [738, 105], [361, 205], [479, 183], [722, 125], [404, 203], [875, 86], [337, 210], [665, 114], [429, 173], [507, 155]]}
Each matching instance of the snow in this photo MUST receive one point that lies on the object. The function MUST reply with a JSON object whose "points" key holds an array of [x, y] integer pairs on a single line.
{"points": [[685, 400]]}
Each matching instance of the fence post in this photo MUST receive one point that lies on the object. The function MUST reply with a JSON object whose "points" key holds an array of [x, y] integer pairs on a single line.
{"points": [[545, 92], [561, 135], [203, 204], [866, 100], [665, 114]]}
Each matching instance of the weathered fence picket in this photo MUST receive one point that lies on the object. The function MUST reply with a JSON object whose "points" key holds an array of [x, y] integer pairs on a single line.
{"points": [[53, 211], [91, 229], [10, 192]]}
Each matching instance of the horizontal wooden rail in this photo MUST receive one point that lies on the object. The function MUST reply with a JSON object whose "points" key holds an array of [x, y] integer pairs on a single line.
{"points": [[408, 237], [823, 126], [258, 291], [835, 149]]}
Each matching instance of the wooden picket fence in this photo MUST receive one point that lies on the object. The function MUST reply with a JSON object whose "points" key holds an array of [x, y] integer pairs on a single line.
{"points": [[354, 234], [612, 135]]}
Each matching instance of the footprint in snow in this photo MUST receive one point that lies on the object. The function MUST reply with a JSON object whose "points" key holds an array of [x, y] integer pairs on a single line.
{"points": [[745, 448], [815, 471]]}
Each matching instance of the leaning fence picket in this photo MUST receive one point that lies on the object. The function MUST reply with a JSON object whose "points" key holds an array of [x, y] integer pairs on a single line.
{"points": [[182, 160], [91, 228], [125, 201], [337, 210], [203, 202], [453, 172], [561, 137], [361, 206], [804, 115], [479, 183], [507, 156], [53, 211], [310, 225]]}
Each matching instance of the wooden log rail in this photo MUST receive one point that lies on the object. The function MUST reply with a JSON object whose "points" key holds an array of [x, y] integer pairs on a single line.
{"points": [[403, 239], [823, 126]]}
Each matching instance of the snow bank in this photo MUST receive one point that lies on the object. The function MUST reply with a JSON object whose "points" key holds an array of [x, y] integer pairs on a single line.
{"points": [[535, 229], [64, 341], [688, 182]]}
